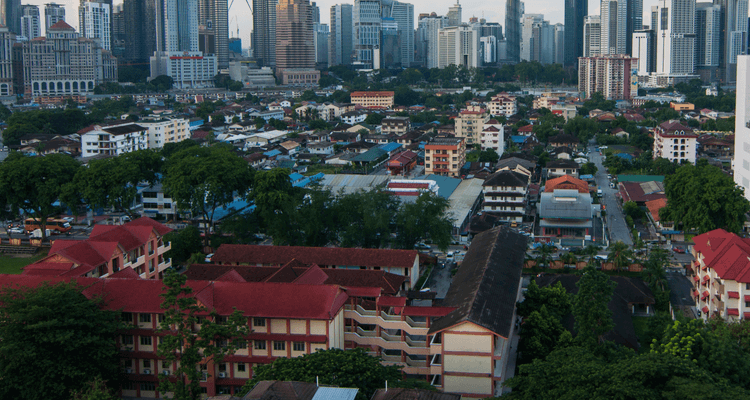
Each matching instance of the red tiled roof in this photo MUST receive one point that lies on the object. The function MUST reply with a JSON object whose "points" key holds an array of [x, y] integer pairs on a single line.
{"points": [[61, 25], [725, 253], [372, 94], [324, 256], [566, 182], [125, 273], [404, 185], [526, 128], [654, 206]]}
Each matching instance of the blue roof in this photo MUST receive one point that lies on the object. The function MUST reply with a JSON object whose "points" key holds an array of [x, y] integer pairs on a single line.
{"points": [[586, 177], [389, 147], [295, 176], [272, 153], [306, 180], [446, 184], [238, 205], [625, 156], [520, 139]]}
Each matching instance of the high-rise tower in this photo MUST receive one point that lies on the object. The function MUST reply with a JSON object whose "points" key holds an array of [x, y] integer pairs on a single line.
{"points": [[264, 32], [10, 15], [53, 13], [513, 12], [341, 38], [575, 12], [213, 15], [30, 23]]}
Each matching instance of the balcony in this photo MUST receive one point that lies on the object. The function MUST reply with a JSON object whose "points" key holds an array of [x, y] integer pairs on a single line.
{"points": [[385, 320], [386, 341]]}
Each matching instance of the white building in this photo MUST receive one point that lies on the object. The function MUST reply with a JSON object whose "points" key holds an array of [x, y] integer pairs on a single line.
{"points": [[7, 38], [609, 75], [367, 21], [675, 142], [527, 34], [30, 22], [458, 45], [165, 130], [114, 140], [675, 40], [493, 136], [503, 104], [489, 49], [427, 38], [644, 47], [592, 35], [741, 129], [95, 22]]}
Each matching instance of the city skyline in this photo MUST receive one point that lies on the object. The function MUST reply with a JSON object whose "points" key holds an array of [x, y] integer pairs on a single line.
{"points": [[554, 12]]}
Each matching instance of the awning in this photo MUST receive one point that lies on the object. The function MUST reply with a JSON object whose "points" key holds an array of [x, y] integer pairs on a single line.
{"points": [[733, 295], [733, 311], [696, 278], [706, 278], [705, 294], [705, 309]]}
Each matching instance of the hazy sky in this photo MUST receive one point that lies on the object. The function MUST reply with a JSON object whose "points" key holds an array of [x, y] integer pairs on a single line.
{"points": [[240, 15]]}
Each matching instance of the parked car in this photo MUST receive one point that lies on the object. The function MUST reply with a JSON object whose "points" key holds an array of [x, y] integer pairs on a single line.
{"points": [[422, 246], [679, 250], [209, 257], [17, 230]]}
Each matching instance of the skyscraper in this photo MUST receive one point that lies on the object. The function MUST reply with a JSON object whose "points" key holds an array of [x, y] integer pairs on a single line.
{"points": [[118, 31], [634, 22], [527, 35], [644, 49], [295, 47], [403, 14], [95, 20], [707, 40], [454, 14], [367, 20], [559, 48], [321, 37], [10, 15], [742, 132], [7, 39], [213, 15], [140, 30], [513, 12], [614, 19], [592, 28], [53, 13], [675, 40], [341, 37], [458, 45], [264, 32], [427, 32], [30, 23], [734, 35], [575, 12]]}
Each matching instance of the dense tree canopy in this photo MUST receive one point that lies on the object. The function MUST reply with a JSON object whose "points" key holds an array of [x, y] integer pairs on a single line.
{"points": [[53, 340]]}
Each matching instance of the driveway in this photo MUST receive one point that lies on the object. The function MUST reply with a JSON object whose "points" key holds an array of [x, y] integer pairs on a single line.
{"points": [[615, 220]]}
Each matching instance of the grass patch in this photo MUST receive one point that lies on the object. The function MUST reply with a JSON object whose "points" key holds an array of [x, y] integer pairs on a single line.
{"points": [[640, 324], [10, 264]]}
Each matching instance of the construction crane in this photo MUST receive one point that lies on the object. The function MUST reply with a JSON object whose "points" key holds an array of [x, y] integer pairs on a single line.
{"points": [[235, 17]]}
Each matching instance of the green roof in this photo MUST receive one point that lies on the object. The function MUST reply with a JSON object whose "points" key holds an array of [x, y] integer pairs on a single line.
{"points": [[369, 156], [640, 178]]}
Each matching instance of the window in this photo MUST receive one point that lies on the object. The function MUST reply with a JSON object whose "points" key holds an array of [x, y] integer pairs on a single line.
{"points": [[127, 339], [146, 341], [240, 367], [165, 364], [161, 317], [299, 346], [260, 345], [144, 318], [126, 317], [259, 322], [241, 344], [148, 386], [223, 367], [279, 345], [146, 363]]}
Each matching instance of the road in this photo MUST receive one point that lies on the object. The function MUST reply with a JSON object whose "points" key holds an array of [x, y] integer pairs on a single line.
{"points": [[618, 229]]}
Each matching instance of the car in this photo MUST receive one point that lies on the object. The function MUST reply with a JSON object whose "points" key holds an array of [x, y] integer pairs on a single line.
{"points": [[679, 250], [422, 246], [69, 219], [449, 255], [209, 257], [17, 230]]}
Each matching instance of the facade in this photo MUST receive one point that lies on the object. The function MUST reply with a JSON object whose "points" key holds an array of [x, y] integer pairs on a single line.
{"points": [[166, 130], [707, 39], [454, 15], [675, 40], [403, 14], [114, 140], [428, 39], [470, 122], [513, 14], [177, 54], [634, 22], [503, 104], [395, 126], [53, 13], [559, 50], [644, 49], [576, 12], [721, 275], [321, 38], [566, 213], [614, 26], [592, 36], [7, 39], [30, 22], [61, 64], [295, 44], [445, 156], [264, 32], [459, 46], [608, 75], [562, 167], [366, 18], [382, 99], [742, 127], [341, 37], [95, 20], [734, 36], [527, 35], [493, 137], [213, 14], [137, 245], [10, 15], [675, 142], [299, 76], [506, 194], [140, 30]]}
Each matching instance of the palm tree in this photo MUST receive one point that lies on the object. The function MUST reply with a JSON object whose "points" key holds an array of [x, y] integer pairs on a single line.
{"points": [[590, 251], [654, 273], [545, 253], [619, 254]]}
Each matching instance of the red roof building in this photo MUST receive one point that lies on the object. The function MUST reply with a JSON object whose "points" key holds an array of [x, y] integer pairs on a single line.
{"points": [[566, 182], [402, 163], [641, 192], [722, 266]]}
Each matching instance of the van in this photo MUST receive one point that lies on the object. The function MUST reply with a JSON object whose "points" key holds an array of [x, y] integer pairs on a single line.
{"points": [[599, 191], [612, 185]]}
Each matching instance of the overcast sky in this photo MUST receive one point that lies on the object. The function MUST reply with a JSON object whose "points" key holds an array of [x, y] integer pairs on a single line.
{"points": [[240, 15]]}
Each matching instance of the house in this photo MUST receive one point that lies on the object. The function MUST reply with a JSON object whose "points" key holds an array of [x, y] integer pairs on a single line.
{"points": [[281, 390], [505, 194], [562, 153], [354, 117], [564, 139], [721, 275], [493, 136], [560, 167], [114, 140], [358, 147], [256, 160], [291, 147], [320, 148], [137, 244], [402, 163], [526, 130], [641, 192], [567, 111], [566, 213], [503, 104], [345, 137], [395, 126], [268, 115], [469, 124], [675, 142]]}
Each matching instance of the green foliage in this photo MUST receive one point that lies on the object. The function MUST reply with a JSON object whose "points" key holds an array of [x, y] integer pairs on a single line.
{"points": [[596, 102], [59, 122], [540, 335], [592, 316], [425, 219], [53, 340], [620, 254], [555, 298], [703, 198], [588, 168], [4, 112], [488, 155], [95, 390], [184, 243], [403, 96], [335, 367], [366, 218], [34, 184], [187, 346], [374, 119], [632, 210]]}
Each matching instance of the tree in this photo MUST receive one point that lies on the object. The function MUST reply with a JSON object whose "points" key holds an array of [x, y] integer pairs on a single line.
{"points": [[588, 168], [592, 317], [35, 184], [365, 218], [95, 390], [335, 367], [113, 182], [202, 179], [424, 219], [620, 255], [274, 196], [374, 119], [162, 83], [53, 340], [217, 337], [184, 242], [540, 334], [489, 155], [555, 298]]}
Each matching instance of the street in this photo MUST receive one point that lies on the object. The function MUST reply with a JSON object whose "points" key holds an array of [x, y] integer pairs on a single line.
{"points": [[615, 220]]}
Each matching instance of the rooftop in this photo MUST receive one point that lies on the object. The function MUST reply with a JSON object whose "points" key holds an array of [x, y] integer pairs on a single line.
{"points": [[323, 256]]}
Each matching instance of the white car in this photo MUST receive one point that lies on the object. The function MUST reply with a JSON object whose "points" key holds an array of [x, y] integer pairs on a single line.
{"points": [[17, 230], [209, 257]]}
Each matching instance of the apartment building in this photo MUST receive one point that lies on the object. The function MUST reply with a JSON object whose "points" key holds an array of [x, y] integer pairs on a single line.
{"points": [[459, 347], [400, 262], [470, 122], [493, 136], [675, 142], [395, 126], [721, 275], [165, 130], [445, 156], [113, 140], [383, 99], [608, 74], [503, 104], [138, 245], [506, 194]]}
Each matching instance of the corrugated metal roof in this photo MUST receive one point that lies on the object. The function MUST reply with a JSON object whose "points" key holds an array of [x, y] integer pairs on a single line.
{"points": [[331, 393], [353, 183], [462, 200], [565, 204]]}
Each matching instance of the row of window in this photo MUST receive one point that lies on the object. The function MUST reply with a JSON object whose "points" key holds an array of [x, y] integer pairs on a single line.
{"points": [[127, 340]]}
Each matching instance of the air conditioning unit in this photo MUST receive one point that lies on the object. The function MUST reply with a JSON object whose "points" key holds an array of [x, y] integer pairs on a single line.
{"points": [[222, 374], [165, 372], [128, 370], [147, 371]]}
